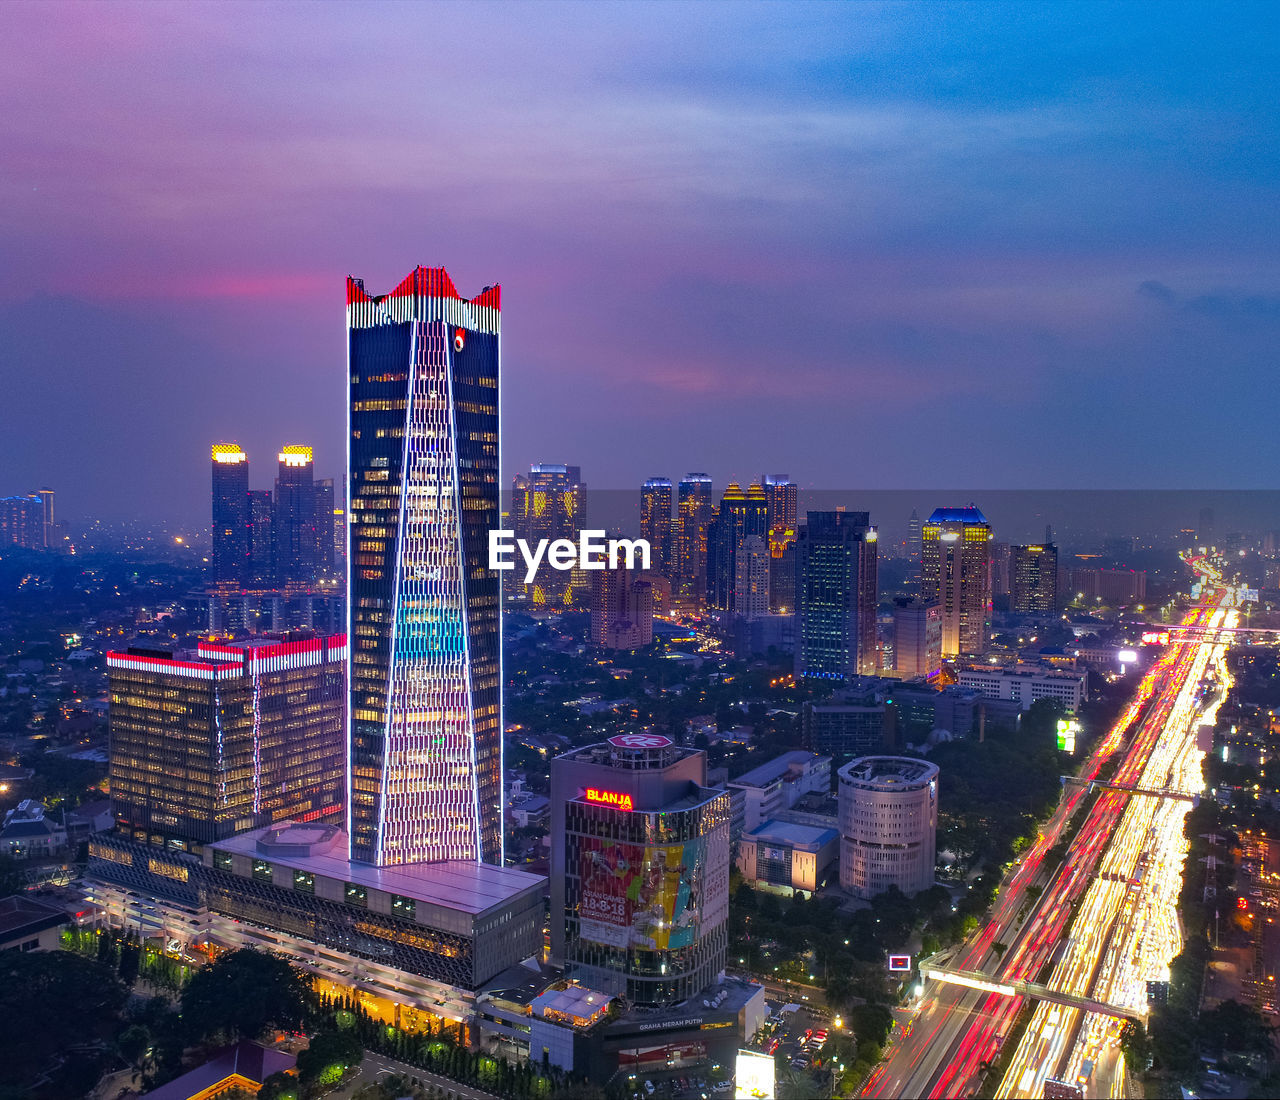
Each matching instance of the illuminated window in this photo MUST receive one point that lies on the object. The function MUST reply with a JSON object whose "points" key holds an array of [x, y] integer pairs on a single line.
{"points": [[357, 895]]}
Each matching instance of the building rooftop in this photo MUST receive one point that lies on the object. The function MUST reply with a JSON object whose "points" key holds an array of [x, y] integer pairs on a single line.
{"points": [[776, 768], [248, 1060], [20, 914], [969, 514], [461, 885], [797, 836], [888, 773], [575, 1004]]}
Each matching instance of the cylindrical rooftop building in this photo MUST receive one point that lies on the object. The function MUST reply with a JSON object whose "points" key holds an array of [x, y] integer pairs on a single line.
{"points": [[888, 824]]}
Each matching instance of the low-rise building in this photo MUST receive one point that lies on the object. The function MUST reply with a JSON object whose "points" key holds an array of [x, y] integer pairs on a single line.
{"points": [[757, 795], [787, 856], [29, 834], [29, 924], [1027, 684]]}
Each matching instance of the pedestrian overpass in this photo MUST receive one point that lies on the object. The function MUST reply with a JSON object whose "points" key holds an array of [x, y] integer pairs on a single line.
{"points": [[1016, 987]]}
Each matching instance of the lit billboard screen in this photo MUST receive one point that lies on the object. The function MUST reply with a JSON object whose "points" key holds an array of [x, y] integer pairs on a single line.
{"points": [[755, 1075], [637, 896], [900, 964]]}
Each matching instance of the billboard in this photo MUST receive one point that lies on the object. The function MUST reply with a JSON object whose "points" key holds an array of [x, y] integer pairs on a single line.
{"points": [[755, 1075], [1068, 728], [900, 964], [641, 896]]}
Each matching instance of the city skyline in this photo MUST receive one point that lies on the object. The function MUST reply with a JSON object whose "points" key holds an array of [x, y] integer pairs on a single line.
{"points": [[1058, 238]]}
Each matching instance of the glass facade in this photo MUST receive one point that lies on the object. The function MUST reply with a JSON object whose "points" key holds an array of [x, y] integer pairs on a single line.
{"points": [[426, 705], [646, 898], [836, 594], [231, 520], [204, 749]]}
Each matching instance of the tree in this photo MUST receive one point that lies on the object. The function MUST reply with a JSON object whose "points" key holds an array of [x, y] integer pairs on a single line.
{"points": [[329, 1055], [1136, 1046], [871, 1023], [49, 999], [279, 1086], [1233, 1026], [244, 993], [133, 1042]]}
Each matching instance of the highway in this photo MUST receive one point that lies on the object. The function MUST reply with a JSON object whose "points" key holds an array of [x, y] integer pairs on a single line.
{"points": [[1089, 924]]}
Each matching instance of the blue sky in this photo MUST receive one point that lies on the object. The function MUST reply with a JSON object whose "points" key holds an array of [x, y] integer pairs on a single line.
{"points": [[872, 245]]}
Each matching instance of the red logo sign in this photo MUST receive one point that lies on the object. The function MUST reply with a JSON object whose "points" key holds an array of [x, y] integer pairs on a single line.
{"points": [[610, 798], [459, 339], [640, 741]]}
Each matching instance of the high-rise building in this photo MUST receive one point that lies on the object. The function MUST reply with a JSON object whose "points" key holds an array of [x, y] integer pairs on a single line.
{"points": [[917, 638], [695, 508], [425, 609], [888, 825], [294, 525], [230, 558], [955, 560], [22, 522], [1204, 529], [229, 737], [46, 498], [752, 581], [340, 529], [1001, 569], [1034, 579], [261, 540], [836, 593], [323, 553], [547, 503], [740, 515], [781, 496], [655, 523], [622, 608], [913, 545], [639, 869]]}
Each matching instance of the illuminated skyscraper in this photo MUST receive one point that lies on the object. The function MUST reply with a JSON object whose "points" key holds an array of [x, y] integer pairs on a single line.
{"points": [[837, 585], [425, 675], [741, 515], [230, 515], [781, 496], [546, 503], [22, 522], [695, 508], [622, 606], [655, 523], [322, 555], [206, 744], [913, 546], [955, 562], [1034, 577], [261, 541], [752, 583], [294, 525], [46, 498]]}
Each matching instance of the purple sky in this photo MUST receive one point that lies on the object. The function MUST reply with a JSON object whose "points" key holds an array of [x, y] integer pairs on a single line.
{"points": [[870, 245]]}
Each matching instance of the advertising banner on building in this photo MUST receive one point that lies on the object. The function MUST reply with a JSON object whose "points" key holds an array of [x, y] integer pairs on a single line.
{"points": [[648, 897]]}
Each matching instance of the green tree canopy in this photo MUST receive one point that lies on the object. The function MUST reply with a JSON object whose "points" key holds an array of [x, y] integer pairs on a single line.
{"points": [[242, 994]]}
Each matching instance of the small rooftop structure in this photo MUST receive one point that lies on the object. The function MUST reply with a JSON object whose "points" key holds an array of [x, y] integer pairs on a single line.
{"points": [[808, 838], [574, 1004]]}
